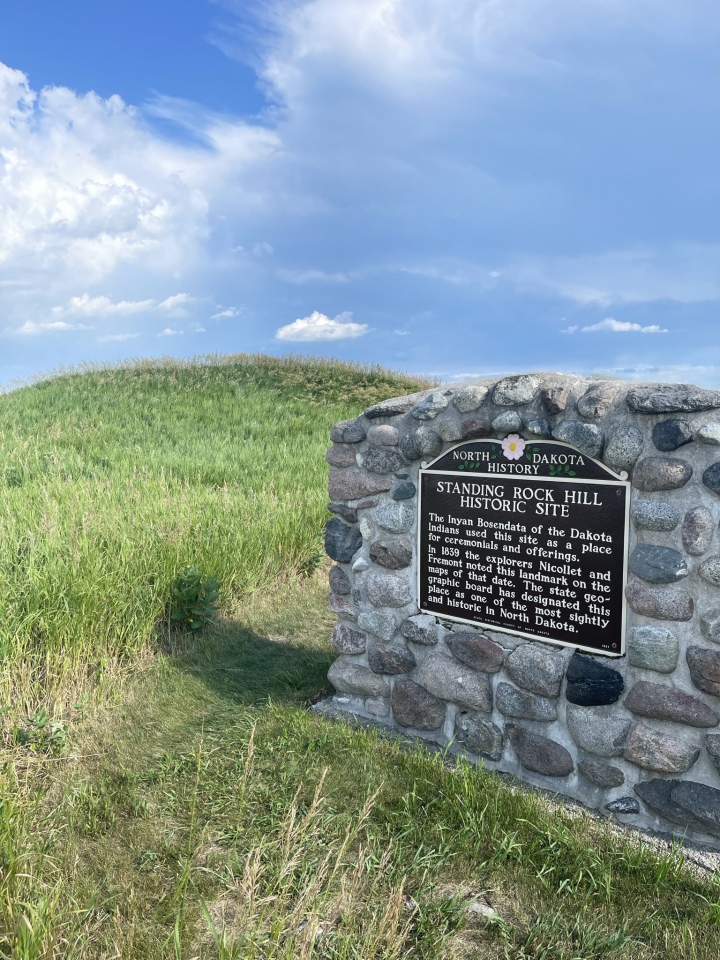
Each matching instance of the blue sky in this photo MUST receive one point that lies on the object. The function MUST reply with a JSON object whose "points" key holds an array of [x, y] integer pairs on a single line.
{"points": [[459, 188]]}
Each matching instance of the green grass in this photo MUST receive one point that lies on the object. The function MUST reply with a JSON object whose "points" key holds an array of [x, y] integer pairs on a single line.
{"points": [[167, 794]]}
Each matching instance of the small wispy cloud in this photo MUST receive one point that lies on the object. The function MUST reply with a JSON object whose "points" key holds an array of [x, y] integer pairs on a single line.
{"points": [[32, 329], [319, 327], [225, 314], [177, 300], [169, 332], [401, 333], [102, 306], [117, 337], [610, 325]]}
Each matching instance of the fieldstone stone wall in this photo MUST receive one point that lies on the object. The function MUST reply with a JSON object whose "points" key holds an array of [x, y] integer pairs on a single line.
{"points": [[638, 736]]}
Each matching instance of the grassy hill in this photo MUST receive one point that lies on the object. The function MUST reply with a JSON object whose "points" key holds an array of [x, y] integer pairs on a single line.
{"points": [[165, 793]]}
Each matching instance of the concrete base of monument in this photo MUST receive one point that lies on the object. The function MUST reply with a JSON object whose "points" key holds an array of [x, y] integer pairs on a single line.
{"points": [[571, 794]]}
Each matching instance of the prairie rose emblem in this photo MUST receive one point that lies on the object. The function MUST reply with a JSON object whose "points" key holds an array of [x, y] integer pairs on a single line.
{"points": [[513, 446]]}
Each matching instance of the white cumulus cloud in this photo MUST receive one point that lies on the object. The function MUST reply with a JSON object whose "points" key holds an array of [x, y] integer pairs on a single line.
{"points": [[610, 325], [102, 306], [319, 327]]}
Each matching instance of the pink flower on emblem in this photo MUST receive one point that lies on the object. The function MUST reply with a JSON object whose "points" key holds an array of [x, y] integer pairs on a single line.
{"points": [[513, 446]]}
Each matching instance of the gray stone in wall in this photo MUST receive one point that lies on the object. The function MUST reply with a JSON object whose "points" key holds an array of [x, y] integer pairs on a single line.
{"points": [[383, 435], [597, 401], [348, 676], [539, 754], [343, 606], [475, 427], [670, 434], [430, 407], [341, 455], [449, 430], [342, 541], [476, 651], [623, 805], [658, 603], [339, 581], [587, 437], [348, 431], [555, 399], [653, 648], [710, 433], [711, 477], [592, 684], [657, 564], [392, 554], [672, 398], [407, 446], [450, 680], [390, 408], [390, 659], [515, 390], [710, 625], [597, 731], [712, 745], [478, 735], [601, 774], [359, 565], [654, 515], [508, 422], [428, 442], [377, 707], [384, 590], [660, 752], [683, 801], [710, 570], [421, 629], [349, 484], [404, 490], [414, 706], [469, 398], [623, 448], [661, 473], [522, 704], [536, 668], [379, 460], [704, 667], [348, 514], [661, 702], [697, 530], [540, 427], [346, 640], [395, 517], [380, 623]]}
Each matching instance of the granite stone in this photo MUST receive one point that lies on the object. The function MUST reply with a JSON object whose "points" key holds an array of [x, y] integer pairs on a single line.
{"points": [[346, 640], [390, 408], [395, 517], [536, 668], [660, 604], [380, 460], [476, 651], [430, 407], [710, 625], [704, 667], [343, 606], [539, 754], [657, 564], [469, 398], [661, 702], [592, 684], [365, 527], [392, 554], [407, 446], [554, 399], [513, 702], [597, 731], [339, 581], [598, 399], [414, 706], [348, 431], [446, 678], [385, 590], [349, 484], [349, 514], [672, 398], [661, 473], [383, 435], [390, 659], [654, 515], [623, 449], [377, 707], [670, 434], [515, 390], [359, 565], [711, 477], [539, 427], [420, 628], [508, 422], [625, 805], [697, 530], [404, 490], [601, 774], [712, 745], [428, 442], [449, 430], [653, 648], [349, 676], [709, 433], [475, 427], [660, 752], [710, 570], [687, 802], [382, 624], [341, 455], [342, 541], [478, 735], [587, 437]]}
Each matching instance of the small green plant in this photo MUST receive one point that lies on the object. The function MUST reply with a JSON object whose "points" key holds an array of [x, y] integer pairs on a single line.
{"points": [[193, 601], [40, 732]]}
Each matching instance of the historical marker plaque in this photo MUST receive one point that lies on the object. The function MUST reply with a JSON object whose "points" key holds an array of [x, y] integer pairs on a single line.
{"points": [[526, 537]]}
